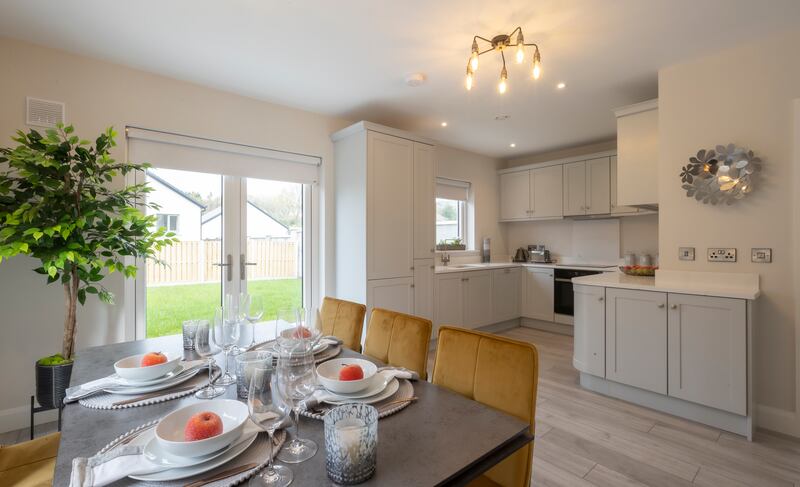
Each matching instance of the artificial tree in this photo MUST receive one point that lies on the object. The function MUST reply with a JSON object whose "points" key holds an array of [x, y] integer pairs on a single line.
{"points": [[58, 204]]}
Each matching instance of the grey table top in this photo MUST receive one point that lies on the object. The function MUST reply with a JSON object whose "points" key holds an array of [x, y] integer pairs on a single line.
{"points": [[441, 439]]}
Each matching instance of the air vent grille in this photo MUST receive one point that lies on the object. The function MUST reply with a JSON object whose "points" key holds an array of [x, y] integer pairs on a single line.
{"points": [[44, 113]]}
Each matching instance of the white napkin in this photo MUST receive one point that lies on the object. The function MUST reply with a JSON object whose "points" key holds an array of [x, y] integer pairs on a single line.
{"points": [[323, 395], [103, 469]]}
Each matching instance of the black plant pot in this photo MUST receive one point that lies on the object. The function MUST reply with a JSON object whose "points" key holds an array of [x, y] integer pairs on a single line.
{"points": [[51, 382]]}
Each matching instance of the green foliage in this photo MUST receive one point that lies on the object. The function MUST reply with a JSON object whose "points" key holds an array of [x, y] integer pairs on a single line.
{"points": [[58, 204], [56, 359]]}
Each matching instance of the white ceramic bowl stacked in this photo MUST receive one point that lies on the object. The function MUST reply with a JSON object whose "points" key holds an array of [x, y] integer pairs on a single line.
{"points": [[130, 367], [328, 373], [170, 430]]}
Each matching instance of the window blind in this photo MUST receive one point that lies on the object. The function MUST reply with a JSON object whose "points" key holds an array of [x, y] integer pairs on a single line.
{"points": [[174, 151], [452, 189]]}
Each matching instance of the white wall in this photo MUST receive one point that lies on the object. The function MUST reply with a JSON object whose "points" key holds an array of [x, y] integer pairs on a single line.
{"points": [[744, 95], [99, 94]]}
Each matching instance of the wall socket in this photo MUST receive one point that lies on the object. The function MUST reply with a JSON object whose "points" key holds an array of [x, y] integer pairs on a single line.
{"points": [[721, 254], [686, 253], [761, 255]]}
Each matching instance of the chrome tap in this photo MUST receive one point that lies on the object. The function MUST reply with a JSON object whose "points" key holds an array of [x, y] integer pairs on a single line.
{"points": [[445, 259]]}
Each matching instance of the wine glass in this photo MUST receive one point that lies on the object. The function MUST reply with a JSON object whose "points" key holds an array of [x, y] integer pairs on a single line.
{"points": [[268, 412], [252, 307], [285, 327], [205, 347], [225, 335], [297, 380]]}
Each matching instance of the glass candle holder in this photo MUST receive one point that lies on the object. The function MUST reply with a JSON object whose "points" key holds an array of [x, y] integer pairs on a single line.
{"points": [[351, 443], [245, 364], [189, 330]]}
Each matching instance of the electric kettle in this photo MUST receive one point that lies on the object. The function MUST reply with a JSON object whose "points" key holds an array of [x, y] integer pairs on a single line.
{"points": [[521, 255]]}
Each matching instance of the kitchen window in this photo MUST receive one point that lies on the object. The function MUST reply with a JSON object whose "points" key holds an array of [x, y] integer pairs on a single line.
{"points": [[452, 200]]}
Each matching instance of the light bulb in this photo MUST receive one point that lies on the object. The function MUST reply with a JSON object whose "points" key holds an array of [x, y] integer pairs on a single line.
{"points": [[503, 85], [468, 82], [520, 48], [473, 61], [537, 65]]}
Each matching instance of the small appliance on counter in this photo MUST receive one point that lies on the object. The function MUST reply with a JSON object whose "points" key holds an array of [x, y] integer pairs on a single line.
{"points": [[538, 254], [486, 256], [521, 255]]}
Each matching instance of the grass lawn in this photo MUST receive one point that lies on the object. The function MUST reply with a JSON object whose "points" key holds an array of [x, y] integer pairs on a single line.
{"points": [[169, 306]]}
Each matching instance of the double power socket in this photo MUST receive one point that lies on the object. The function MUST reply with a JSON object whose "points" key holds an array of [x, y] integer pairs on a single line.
{"points": [[727, 254]]}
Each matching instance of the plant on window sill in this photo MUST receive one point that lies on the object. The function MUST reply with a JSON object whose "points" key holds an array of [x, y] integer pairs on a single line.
{"points": [[451, 244]]}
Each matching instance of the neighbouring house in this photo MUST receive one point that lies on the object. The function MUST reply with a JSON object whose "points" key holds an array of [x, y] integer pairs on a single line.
{"points": [[260, 224], [178, 212]]}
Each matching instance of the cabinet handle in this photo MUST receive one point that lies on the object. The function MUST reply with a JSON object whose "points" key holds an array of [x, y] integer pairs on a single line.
{"points": [[411, 268], [412, 285], [673, 306], [613, 205], [600, 298], [661, 305], [433, 267], [433, 250]]}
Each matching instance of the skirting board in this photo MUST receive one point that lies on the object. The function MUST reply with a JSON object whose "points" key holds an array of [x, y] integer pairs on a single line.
{"points": [[559, 328], [17, 418], [741, 425]]}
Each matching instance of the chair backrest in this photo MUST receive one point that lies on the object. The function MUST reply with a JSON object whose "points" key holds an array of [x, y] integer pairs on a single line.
{"points": [[344, 320], [31, 463], [399, 339], [496, 371]]}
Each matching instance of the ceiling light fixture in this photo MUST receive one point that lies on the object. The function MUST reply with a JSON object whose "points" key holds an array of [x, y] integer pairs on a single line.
{"points": [[444, 124], [500, 43], [561, 86], [512, 145]]}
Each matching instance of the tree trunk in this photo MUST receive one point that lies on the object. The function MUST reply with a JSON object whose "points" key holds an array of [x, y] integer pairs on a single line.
{"points": [[71, 304]]}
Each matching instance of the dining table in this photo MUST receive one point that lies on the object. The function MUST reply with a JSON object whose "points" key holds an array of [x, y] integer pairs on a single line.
{"points": [[442, 438]]}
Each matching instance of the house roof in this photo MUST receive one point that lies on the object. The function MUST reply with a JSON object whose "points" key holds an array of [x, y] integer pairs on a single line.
{"points": [[175, 189], [210, 215]]}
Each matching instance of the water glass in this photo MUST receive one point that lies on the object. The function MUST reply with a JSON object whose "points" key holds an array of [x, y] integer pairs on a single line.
{"points": [[205, 347], [225, 335], [189, 330], [268, 412], [351, 443], [297, 380], [245, 364]]}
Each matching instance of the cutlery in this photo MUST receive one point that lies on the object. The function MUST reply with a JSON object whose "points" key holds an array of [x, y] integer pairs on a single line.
{"points": [[152, 395], [224, 474], [400, 401]]}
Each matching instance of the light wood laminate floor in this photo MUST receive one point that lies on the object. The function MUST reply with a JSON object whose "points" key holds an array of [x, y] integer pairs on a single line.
{"points": [[586, 439]]}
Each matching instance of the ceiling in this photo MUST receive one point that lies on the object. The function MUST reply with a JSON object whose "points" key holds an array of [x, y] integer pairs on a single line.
{"points": [[349, 58]]}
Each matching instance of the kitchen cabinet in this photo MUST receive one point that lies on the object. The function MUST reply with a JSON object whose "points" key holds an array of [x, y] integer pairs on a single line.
{"points": [[477, 298], [423, 287], [424, 201], [575, 188], [637, 153], [515, 193], [590, 330], [392, 294], [636, 338], [537, 293], [546, 192], [707, 344], [505, 294], [616, 208], [449, 300], [587, 187]]}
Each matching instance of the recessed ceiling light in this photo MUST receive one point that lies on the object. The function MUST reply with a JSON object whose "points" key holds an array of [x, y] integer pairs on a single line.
{"points": [[444, 124], [512, 145], [416, 79], [561, 85]]}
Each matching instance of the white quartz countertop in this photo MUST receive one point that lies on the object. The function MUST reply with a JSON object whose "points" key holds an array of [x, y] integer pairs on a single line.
{"points": [[500, 265], [720, 284]]}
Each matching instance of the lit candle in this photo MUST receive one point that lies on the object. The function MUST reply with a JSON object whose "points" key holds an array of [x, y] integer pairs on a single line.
{"points": [[349, 432]]}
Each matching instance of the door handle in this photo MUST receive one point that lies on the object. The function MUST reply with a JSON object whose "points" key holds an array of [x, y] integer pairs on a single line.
{"points": [[243, 266], [673, 306], [228, 264], [661, 305], [600, 298]]}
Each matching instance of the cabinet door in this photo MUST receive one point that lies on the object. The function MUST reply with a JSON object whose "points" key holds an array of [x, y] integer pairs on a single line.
{"points": [[477, 298], [449, 300], [575, 188], [636, 338], [392, 294], [708, 351], [389, 206], [547, 192], [590, 330], [424, 200], [615, 207], [537, 300], [423, 288], [637, 149], [505, 294], [598, 186], [515, 195]]}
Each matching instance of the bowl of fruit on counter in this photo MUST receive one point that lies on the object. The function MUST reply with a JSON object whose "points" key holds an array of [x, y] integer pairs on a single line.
{"points": [[639, 270]]}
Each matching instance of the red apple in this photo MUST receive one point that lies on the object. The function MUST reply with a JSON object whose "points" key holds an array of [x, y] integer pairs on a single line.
{"points": [[302, 332], [202, 425], [351, 372], [153, 358]]}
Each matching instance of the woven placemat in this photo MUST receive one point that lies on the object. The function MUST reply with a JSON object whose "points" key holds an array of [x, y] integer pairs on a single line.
{"points": [[327, 354], [387, 407], [105, 400], [255, 453]]}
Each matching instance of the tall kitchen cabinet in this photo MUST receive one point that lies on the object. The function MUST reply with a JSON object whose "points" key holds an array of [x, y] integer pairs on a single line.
{"points": [[385, 218], [637, 152]]}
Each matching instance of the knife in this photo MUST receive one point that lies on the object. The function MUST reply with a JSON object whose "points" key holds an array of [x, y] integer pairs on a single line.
{"points": [[152, 395], [224, 474]]}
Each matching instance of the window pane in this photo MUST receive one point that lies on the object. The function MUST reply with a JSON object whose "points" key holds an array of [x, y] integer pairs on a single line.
{"points": [[447, 219]]}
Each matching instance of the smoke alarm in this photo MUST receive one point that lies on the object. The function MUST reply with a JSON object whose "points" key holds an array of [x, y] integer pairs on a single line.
{"points": [[416, 79]]}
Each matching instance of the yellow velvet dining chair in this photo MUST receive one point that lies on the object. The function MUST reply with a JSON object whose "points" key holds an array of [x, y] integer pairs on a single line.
{"points": [[399, 339], [29, 464], [496, 371], [344, 320]]}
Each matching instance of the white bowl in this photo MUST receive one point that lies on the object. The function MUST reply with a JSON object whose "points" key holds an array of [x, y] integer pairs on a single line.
{"points": [[328, 373], [170, 430], [130, 368]]}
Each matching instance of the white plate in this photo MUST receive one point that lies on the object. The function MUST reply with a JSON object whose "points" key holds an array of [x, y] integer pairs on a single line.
{"points": [[156, 387], [391, 388], [320, 347], [185, 472], [378, 385], [181, 368], [155, 454]]}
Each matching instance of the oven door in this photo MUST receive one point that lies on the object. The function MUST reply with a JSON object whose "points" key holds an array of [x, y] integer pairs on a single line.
{"points": [[564, 301]]}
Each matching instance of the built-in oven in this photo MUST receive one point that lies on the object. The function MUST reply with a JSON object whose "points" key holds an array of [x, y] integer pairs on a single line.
{"points": [[564, 300]]}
